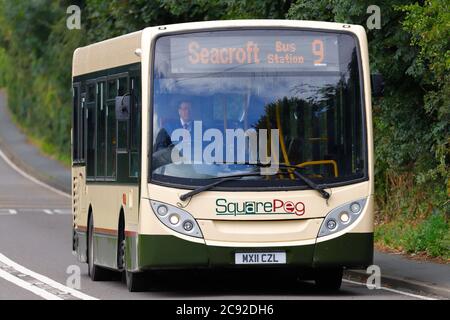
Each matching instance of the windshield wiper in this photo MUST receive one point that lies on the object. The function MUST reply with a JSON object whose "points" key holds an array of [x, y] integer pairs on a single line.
{"points": [[209, 186], [326, 195], [222, 179]]}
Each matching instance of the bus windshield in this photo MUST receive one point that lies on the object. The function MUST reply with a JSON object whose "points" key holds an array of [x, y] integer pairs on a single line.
{"points": [[224, 101]]}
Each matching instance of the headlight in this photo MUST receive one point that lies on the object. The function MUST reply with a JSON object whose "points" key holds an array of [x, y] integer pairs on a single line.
{"points": [[341, 217], [188, 225], [344, 217], [331, 224], [176, 219], [162, 209], [355, 207]]}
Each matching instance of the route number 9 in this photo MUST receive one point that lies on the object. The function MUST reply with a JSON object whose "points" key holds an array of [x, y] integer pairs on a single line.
{"points": [[317, 50]]}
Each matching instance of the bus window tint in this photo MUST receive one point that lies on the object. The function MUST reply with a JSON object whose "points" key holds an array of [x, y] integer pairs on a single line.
{"points": [[136, 104], [75, 123], [111, 140], [134, 164], [304, 84], [112, 89], [91, 137], [123, 86], [135, 130], [101, 130], [122, 135]]}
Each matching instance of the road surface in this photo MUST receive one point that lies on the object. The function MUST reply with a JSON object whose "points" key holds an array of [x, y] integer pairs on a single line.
{"points": [[36, 261]]}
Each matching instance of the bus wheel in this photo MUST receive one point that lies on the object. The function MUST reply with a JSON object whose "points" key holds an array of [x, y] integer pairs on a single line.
{"points": [[96, 273], [329, 279], [135, 281]]}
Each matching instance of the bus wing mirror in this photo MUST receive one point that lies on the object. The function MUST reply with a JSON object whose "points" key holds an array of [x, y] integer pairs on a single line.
{"points": [[377, 85], [123, 107]]}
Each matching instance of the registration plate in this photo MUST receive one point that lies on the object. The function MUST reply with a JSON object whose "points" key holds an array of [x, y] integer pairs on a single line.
{"points": [[260, 258]]}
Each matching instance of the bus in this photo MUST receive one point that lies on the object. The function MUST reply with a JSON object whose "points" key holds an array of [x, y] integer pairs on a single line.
{"points": [[224, 145]]}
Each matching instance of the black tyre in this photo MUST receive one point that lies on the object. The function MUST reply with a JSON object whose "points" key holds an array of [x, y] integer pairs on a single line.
{"points": [[329, 279], [95, 272], [135, 281]]}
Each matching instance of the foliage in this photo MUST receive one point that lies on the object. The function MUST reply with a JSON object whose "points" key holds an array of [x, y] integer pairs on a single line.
{"points": [[431, 235], [412, 218], [411, 51], [429, 26], [35, 67], [116, 17], [411, 121]]}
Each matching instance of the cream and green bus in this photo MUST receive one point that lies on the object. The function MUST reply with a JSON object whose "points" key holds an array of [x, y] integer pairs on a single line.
{"points": [[224, 145]]}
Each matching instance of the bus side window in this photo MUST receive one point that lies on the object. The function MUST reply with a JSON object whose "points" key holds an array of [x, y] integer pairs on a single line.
{"points": [[122, 125], [111, 143], [78, 115], [90, 130], [122, 135], [75, 123], [135, 126], [101, 131], [81, 128]]}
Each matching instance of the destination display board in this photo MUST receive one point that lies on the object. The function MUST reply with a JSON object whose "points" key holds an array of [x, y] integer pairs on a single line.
{"points": [[208, 54]]}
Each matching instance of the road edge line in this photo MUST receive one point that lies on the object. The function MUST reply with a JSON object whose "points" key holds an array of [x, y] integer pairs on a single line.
{"points": [[44, 279], [30, 177], [393, 290], [27, 286], [403, 283]]}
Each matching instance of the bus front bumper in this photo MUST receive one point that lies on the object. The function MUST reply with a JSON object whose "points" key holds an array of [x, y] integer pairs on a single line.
{"points": [[351, 250]]}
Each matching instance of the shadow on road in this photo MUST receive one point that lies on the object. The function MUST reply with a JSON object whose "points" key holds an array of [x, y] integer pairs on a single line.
{"points": [[234, 283]]}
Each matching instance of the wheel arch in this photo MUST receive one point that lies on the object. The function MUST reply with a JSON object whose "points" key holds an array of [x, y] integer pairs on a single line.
{"points": [[120, 236], [90, 216]]}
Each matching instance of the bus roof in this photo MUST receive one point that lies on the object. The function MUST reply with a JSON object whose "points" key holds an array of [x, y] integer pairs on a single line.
{"points": [[120, 51], [107, 54]]}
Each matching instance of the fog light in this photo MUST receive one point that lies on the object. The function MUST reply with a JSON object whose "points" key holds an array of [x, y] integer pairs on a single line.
{"points": [[188, 225], [174, 219], [331, 224], [355, 207], [344, 217], [162, 210]]}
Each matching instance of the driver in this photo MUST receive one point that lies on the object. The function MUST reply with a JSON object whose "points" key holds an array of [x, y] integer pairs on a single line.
{"points": [[163, 143], [184, 121]]}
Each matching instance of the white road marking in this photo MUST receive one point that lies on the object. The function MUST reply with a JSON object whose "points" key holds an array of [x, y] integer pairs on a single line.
{"points": [[28, 286], [4, 212], [62, 211], [392, 290], [9, 277], [31, 178]]}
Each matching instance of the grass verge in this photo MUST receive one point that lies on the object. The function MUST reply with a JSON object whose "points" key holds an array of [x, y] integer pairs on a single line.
{"points": [[47, 148], [50, 150], [413, 218], [430, 236]]}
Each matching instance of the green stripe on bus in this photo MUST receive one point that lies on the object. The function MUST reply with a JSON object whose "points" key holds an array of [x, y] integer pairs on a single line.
{"points": [[165, 251]]}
